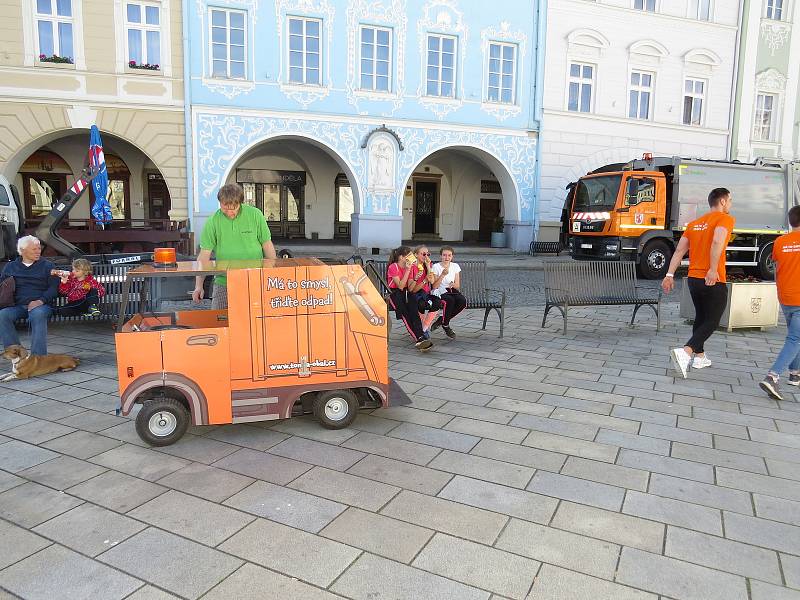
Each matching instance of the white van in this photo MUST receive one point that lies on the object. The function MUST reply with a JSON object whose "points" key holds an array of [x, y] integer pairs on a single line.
{"points": [[10, 219]]}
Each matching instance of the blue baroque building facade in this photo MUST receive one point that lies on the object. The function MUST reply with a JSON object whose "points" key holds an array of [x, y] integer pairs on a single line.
{"points": [[370, 120]]}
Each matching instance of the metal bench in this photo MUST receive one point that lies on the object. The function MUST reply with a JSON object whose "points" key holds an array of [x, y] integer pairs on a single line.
{"points": [[473, 286], [596, 283]]}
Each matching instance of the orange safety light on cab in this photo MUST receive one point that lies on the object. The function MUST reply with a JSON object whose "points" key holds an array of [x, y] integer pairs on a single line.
{"points": [[647, 156], [164, 257]]}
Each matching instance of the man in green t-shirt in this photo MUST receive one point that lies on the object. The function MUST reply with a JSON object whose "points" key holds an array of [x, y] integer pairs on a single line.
{"points": [[235, 232]]}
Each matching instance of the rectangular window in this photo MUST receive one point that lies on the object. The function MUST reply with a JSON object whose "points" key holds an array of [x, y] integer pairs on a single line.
{"points": [[704, 10], [580, 87], [640, 96], [143, 24], [54, 21], [502, 72], [694, 95], [441, 74], [305, 51], [774, 9], [228, 43], [765, 113], [376, 59], [648, 5]]}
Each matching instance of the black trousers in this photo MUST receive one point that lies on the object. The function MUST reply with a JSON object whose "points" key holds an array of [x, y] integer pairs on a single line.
{"points": [[79, 307], [405, 307], [709, 304], [453, 302]]}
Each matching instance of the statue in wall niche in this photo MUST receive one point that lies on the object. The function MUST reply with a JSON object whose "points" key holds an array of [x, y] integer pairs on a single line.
{"points": [[381, 164]]}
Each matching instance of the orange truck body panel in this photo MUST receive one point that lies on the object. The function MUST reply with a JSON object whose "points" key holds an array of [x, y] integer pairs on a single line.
{"points": [[292, 326]]}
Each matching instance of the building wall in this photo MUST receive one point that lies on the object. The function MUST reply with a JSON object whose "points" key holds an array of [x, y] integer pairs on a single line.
{"points": [[41, 102], [615, 39]]}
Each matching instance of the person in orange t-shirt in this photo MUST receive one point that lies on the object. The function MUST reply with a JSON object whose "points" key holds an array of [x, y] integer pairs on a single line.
{"points": [[705, 239], [786, 253]]}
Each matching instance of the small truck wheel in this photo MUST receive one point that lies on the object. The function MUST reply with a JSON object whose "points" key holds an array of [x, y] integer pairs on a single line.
{"points": [[162, 421], [336, 409]]}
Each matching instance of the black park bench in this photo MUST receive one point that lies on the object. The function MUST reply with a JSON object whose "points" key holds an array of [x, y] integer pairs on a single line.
{"points": [[596, 283], [473, 286]]}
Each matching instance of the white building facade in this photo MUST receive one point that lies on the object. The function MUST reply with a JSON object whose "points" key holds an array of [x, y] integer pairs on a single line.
{"points": [[624, 77]]}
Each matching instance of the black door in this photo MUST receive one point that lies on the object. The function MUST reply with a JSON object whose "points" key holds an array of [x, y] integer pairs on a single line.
{"points": [[425, 207], [158, 194], [489, 211]]}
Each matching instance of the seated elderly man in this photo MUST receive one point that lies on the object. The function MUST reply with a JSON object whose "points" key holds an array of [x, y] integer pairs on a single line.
{"points": [[35, 290]]}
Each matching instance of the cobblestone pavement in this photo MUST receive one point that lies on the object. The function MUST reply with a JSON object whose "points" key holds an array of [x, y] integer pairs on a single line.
{"points": [[536, 466]]}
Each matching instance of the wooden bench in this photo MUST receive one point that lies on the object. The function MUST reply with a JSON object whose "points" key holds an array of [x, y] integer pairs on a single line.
{"points": [[596, 283], [473, 286]]}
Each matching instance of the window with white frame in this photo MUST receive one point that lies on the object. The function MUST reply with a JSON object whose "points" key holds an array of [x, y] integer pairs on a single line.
{"points": [[305, 51], [694, 95], [441, 73], [376, 59], [703, 10], [648, 5], [228, 43], [502, 72], [580, 87], [764, 118], [774, 10], [54, 21], [640, 95], [143, 25]]}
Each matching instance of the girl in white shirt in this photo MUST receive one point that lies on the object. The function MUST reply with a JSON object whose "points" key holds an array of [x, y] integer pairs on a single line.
{"points": [[446, 286]]}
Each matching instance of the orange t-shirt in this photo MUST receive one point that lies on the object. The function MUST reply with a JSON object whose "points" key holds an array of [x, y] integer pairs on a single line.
{"points": [[700, 234], [786, 252]]}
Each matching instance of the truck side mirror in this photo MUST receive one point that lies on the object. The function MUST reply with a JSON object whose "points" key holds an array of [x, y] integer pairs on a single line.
{"points": [[632, 192]]}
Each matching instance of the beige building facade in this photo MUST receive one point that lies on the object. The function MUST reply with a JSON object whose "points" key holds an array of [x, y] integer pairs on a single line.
{"points": [[68, 64]]}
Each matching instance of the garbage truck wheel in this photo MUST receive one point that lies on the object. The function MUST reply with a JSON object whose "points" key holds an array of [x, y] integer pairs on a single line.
{"points": [[336, 409], [162, 421]]}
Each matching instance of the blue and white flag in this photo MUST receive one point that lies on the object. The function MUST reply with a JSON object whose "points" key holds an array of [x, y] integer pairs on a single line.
{"points": [[101, 210]]}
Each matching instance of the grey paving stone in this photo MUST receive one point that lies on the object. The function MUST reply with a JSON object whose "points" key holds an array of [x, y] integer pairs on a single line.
{"points": [[8, 481], [373, 424], [50, 410], [403, 450], [12, 399], [57, 572], [296, 553], [30, 504], [200, 520], [519, 455], [346, 488], [251, 582], [676, 434], [199, 449], [374, 577], [645, 416], [481, 393], [207, 482], [117, 491], [761, 532], [754, 464], [309, 428], [790, 440], [470, 411], [500, 499], [38, 431], [616, 475], [148, 592], [752, 482], [662, 406], [756, 448], [713, 427], [18, 543], [92, 420], [734, 418], [782, 468], [248, 436], [577, 490], [139, 462], [62, 472], [483, 468], [579, 400], [504, 433], [555, 583], [566, 445], [610, 526], [435, 437], [723, 555], [791, 570], [446, 516], [521, 406], [666, 465], [164, 560], [415, 415], [777, 509], [766, 591], [378, 534], [401, 474], [292, 507], [634, 442], [261, 465], [556, 426], [556, 547], [479, 566], [82, 444], [613, 422], [16, 456], [677, 579], [89, 529], [673, 512], [700, 493], [317, 453]]}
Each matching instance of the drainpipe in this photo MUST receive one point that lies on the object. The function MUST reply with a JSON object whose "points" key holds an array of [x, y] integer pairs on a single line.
{"points": [[187, 115], [538, 110], [735, 99]]}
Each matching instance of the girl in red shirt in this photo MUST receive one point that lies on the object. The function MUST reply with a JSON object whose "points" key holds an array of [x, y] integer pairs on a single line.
{"points": [[82, 291], [401, 298]]}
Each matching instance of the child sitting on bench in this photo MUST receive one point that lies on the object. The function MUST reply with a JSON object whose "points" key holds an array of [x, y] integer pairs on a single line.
{"points": [[83, 292]]}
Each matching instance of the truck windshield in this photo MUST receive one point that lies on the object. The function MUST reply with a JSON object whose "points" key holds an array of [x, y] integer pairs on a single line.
{"points": [[597, 193]]}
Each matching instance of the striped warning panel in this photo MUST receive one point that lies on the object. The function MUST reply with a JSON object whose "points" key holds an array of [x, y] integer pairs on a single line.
{"points": [[591, 215]]}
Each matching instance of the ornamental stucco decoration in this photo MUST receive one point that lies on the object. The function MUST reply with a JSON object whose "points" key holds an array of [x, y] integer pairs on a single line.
{"points": [[775, 34], [388, 13], [771, 80], [385, 129], [503, 33]]}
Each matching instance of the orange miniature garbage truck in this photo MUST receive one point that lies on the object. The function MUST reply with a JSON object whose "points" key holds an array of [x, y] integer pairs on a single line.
{"points": [[299, 336]]}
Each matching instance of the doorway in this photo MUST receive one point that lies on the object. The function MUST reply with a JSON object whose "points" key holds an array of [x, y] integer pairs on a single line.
{"points": [[489, 211], [158, 195], [425, 193], [280, 195]]}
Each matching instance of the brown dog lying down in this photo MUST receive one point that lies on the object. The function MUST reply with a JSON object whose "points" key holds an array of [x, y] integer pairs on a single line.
{"points": [[24, 365]]}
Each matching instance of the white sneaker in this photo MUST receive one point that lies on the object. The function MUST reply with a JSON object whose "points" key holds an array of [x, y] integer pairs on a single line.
{"points": [[701, 362], [681, 360]]}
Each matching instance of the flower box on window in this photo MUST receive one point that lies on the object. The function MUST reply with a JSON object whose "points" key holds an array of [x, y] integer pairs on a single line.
{"points": [[145, 66], [43, 58]]}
